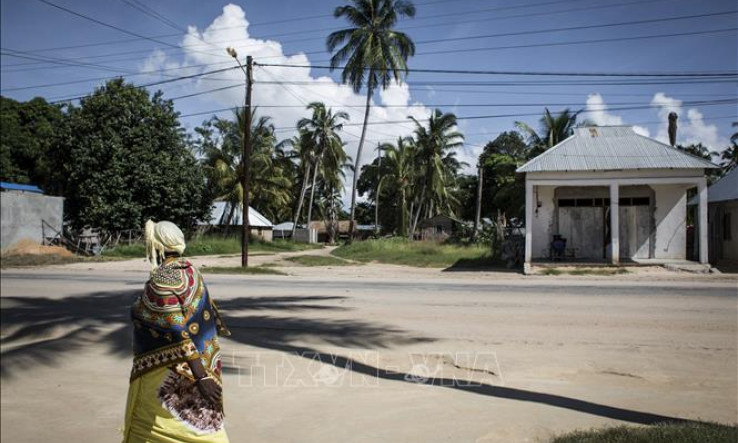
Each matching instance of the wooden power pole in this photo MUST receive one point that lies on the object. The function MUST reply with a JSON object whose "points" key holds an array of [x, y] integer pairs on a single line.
{"points": [[245, 233]]}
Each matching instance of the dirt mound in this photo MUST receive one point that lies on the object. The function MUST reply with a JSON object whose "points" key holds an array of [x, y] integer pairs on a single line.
{"points": [[30, 247]]}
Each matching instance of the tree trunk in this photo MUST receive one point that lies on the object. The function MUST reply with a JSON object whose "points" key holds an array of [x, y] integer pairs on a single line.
{"points": [[312, 192], [302, 199], [358, 156], [379, 189], [478, 215], [417, 214], [229, 220], [402, 226]]}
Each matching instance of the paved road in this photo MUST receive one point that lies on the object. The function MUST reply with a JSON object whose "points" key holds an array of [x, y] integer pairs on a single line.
{"points": [[326, 359]]}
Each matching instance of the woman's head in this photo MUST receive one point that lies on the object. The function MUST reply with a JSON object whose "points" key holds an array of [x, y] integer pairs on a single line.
{"points": [[162, 238]]}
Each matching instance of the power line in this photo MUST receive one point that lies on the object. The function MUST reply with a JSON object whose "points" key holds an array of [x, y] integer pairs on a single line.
{"points": [[108, 25], [508, 34], [171, 80], [535, 73], [444, 23], [579, 42]]}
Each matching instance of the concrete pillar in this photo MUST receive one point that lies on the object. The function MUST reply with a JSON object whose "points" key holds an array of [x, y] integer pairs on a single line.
{"points": [[702, 221], [529, 204], [615, 223]]}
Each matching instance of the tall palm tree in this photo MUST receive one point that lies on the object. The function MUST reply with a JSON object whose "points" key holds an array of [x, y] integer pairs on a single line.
{"points": [[373, 50], [730, 154], [399, 166], [436, 163], [328, 156], [302, 152], [270, 188], [554, 129]]}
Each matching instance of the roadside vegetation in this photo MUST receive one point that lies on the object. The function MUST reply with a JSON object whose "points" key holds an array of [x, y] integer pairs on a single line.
{"points": [[662, 433], [423, 254], [211, 245], [319, 260]]}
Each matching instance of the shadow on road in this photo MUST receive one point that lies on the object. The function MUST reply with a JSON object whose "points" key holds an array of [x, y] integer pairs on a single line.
{"points": [[41, 330]]}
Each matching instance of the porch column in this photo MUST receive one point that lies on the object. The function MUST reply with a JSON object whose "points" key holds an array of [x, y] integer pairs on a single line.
{"points": [[528, 226], [702, 221], [615, 223]]}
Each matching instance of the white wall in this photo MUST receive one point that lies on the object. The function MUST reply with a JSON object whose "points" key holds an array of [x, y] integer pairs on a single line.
{"points": [[671, 221], [543, 219], [22, 213]]}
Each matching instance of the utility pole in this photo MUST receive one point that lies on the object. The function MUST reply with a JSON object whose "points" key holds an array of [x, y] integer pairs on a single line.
{"points": [[376, 193], [478, 214], [246, 155]]}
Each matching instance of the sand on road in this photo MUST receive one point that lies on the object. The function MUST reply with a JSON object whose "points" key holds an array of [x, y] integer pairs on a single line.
{"points": [[375, 353]]}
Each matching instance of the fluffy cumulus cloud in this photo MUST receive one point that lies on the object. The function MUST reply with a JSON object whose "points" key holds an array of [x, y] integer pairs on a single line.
{"points": [[692, 128], [691, 125], [598, 113], [231, 28]]}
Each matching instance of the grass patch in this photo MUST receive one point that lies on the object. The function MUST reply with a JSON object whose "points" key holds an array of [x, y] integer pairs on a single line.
{"points": [[423, 254], [238, 270], [585, 271], [662, 433], [208, 245], [319, 260], [32, 260]]}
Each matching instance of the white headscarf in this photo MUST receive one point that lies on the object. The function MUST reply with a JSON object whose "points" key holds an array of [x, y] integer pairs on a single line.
{"points": [[161, 238]]}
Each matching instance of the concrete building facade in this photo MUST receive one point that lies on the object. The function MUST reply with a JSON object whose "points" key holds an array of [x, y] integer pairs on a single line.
{"points": [[611, 194], [23, 215]]}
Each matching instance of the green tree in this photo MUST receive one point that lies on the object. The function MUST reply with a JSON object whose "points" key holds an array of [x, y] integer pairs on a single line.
{"points": [[27, 142], [730, 155], [503, 189], [128, 160], [328, 155], [221, 145], [436, 165], [553, 130], [373, 51]]}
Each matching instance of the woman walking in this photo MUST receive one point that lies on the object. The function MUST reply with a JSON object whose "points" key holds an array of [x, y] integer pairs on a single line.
{"points": [[175, 395]]}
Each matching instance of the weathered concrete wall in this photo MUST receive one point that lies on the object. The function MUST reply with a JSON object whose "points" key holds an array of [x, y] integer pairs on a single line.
{"points": [[720, 247], [670, 218], [21, 215], [543, 220]]}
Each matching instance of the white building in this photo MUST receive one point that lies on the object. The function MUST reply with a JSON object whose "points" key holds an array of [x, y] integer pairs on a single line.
{"points": [[613, 194], [259, 226], [722, 216]]}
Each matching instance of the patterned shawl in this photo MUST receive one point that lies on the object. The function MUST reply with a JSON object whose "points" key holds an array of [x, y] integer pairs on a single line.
{"points": [[175, 321]]}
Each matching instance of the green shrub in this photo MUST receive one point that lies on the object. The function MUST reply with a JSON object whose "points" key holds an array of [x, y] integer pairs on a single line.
{"points": [[661, 433]]}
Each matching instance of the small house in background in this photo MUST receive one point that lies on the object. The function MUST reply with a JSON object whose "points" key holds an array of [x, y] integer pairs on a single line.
{"points": [[438, 228], [261, 228], [28, 214], [607, 193], [361, 232], [722, 216]]}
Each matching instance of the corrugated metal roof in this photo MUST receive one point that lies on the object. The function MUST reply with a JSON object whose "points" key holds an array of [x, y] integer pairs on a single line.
{"points": [[725, 189], [255, 218], [16, 187], [607, 148]]}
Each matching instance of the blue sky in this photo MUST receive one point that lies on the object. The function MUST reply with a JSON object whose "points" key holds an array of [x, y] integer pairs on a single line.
{"points": [[281, 31]]}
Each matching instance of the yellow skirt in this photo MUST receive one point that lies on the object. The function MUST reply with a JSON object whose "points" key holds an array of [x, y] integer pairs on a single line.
{"points": [[151, 419]]}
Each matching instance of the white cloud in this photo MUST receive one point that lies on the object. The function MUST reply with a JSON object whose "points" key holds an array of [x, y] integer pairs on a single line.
{"points": [[208, 47], [597, 112], [158, 61], [691, 126]]}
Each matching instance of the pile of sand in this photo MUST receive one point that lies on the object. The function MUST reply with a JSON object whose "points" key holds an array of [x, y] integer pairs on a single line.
{"points": [[30, 247]]}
